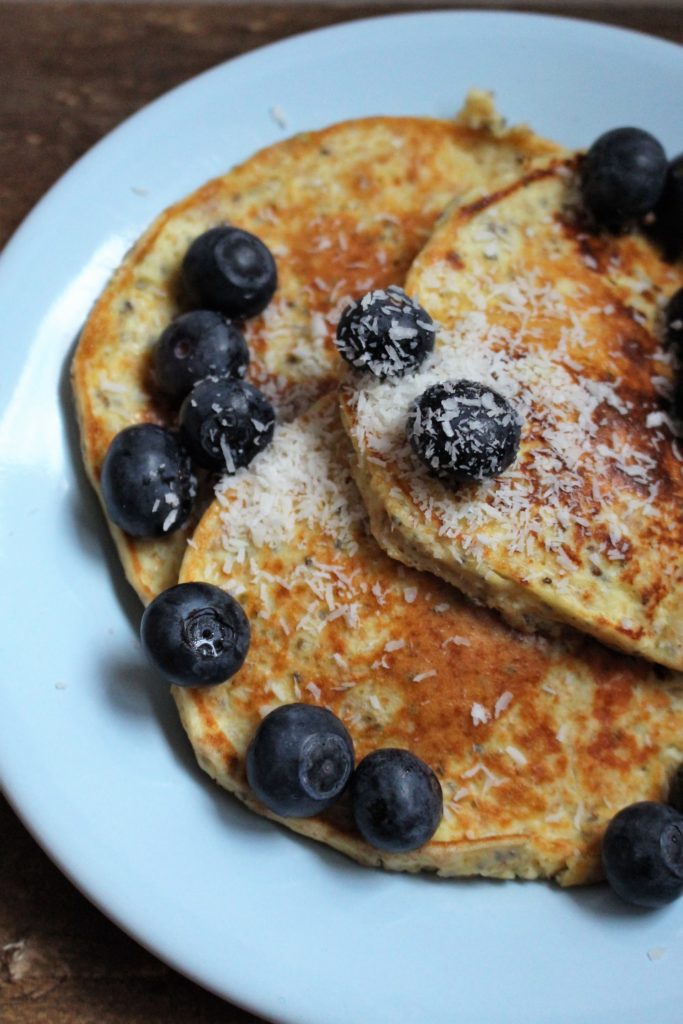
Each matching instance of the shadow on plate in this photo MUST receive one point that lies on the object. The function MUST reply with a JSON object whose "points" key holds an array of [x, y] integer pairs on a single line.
{"points": [[135, 690], [132, 687], [86, 514], [601, 902]]}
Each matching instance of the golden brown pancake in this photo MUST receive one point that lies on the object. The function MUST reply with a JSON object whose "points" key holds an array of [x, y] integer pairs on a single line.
{"points": [[343, 210], [586, 527], [537, 743]]}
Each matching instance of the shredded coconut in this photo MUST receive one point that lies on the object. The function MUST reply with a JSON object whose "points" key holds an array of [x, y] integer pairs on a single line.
{"points": [[502, 704], [479, 714], [568, 446], [516, 755]]}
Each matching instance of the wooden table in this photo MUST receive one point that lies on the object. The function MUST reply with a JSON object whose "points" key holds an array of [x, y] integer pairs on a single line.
{"points": [[69, 72]]}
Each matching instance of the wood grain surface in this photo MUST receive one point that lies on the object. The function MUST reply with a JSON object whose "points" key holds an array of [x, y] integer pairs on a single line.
{"points": [[69, 72]]}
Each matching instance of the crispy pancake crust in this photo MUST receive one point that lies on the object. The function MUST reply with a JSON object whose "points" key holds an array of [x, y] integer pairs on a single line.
{"points": [[537, 743], [343, 210], [586, 527]]}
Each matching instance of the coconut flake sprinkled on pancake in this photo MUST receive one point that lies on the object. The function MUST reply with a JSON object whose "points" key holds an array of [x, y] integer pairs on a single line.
{"points": [[564, 439], [586, 526], [268, 502], [479, 702]]}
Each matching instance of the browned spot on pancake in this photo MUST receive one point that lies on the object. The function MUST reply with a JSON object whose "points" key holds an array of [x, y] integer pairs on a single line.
{"points": [[592, 248], [212, 736], [652, 595], [533, 741], [470, 210], [455, 260], [433, 715]]}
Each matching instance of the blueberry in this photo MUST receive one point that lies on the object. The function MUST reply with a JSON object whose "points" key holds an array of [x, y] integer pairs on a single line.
{"points": [[642, 854], [300, 760], [386, 333], [673, 336], [194, 346], [396, 800], [231, 271], [676, 790], [195, 634], [622, 177], [674, 322], [225, 423], [669, 212], [147, 482], [463, 431]]}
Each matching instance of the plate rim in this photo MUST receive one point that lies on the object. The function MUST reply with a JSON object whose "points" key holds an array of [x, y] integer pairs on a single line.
{"points": [[18, 238]]}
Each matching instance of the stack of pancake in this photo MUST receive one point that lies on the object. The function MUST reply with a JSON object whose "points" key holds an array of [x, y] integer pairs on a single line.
{"points": [[366, 581]]}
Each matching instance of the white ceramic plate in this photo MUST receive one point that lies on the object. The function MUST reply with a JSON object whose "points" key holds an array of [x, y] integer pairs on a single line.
{"points": [[91, 754]]}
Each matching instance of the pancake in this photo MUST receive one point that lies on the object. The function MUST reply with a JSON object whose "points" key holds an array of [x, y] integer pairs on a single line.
{"points": [[585, 528], [536, 743], [342, 209]]}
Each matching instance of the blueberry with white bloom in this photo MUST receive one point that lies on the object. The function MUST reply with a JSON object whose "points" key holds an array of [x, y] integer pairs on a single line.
{"points": [[463, 431], [226, 423], [195, 634], [668, 226], [396, 800], [198, 344], [147, 483], [674, 321], [386, 333], [299, 760], [230, 270], [642, 854], [622, 177]]}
